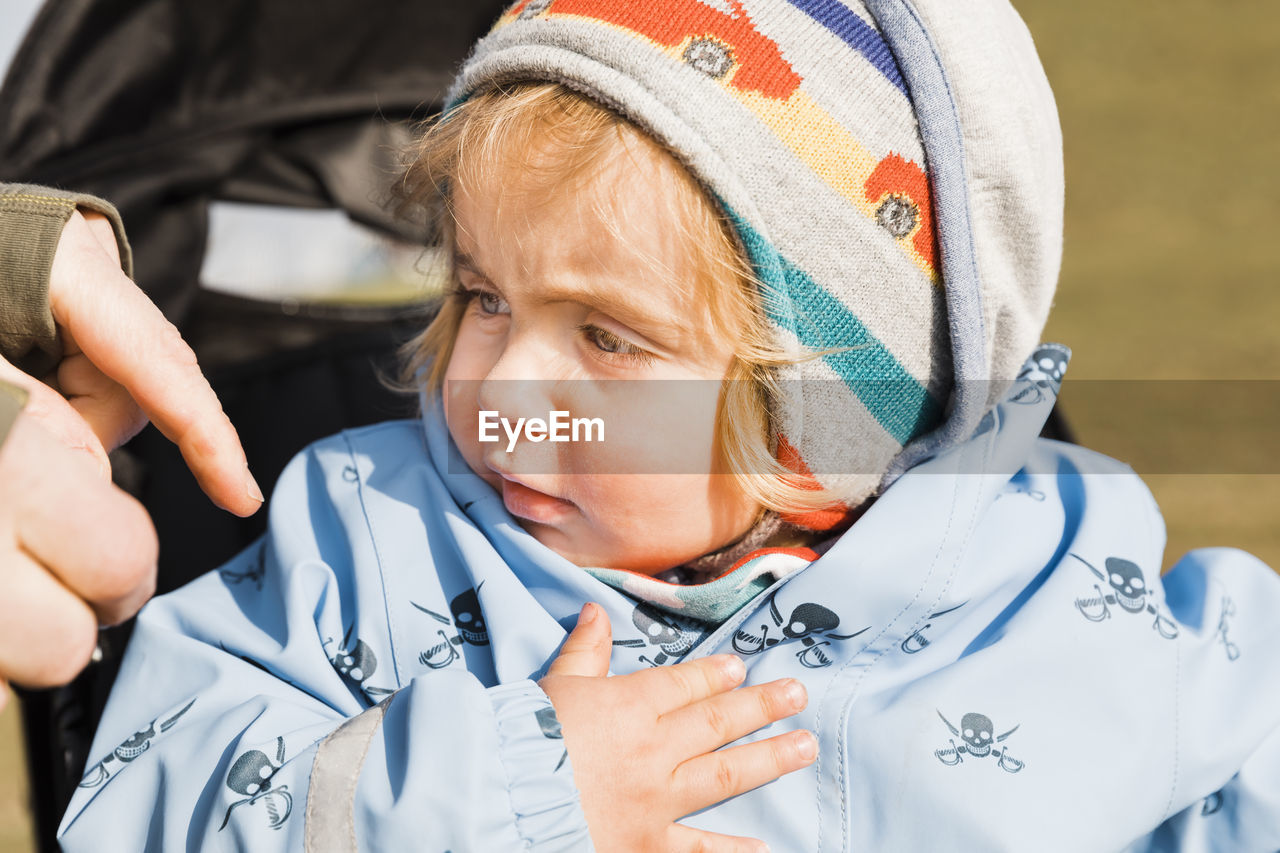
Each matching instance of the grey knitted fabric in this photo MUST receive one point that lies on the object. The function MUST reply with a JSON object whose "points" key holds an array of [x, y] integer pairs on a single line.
{"points": [[893, 170]]}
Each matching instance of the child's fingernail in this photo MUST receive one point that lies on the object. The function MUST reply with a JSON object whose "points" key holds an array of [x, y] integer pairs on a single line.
{"points": [[588, 614], [806, 746], [733, 668], [796, 695]]}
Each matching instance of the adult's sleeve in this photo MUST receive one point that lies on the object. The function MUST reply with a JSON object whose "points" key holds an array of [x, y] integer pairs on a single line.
{"points": [[13, 399], [1225, 793], [31, 223], [252, 714]]}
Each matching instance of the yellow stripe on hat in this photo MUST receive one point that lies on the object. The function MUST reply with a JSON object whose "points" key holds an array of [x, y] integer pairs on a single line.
{"points": [[834, 154]]}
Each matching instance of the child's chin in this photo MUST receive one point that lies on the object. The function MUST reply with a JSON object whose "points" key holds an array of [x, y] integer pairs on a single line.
{"points": [[602, 557]]}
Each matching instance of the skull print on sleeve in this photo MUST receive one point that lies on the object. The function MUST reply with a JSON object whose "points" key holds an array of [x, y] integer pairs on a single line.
{"points": [[265, 715]]}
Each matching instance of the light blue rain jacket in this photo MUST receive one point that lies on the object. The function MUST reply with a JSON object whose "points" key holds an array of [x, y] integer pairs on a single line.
{"points": [[993, 663]]}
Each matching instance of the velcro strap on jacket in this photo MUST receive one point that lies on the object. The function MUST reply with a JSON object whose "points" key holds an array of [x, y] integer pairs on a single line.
{"points": [[331, 820]]}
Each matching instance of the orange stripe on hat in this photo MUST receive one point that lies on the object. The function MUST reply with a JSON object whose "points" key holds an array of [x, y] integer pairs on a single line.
{"points": [[819, 519]]}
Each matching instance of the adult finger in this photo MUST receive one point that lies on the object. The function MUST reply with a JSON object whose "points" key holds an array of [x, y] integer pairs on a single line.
{"points": [[686, 839], [589, 646], [57, 417], [672, 687], [104, 404], [126, 336], [708, 779], [97, 540], [100, 228], [47, 633], [717, 720]]}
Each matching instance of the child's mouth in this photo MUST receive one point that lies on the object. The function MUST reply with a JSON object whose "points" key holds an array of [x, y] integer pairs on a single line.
{"points": [[532, 505]]}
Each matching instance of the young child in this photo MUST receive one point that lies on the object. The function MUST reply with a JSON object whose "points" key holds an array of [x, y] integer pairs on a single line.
{"points": [[844, 219]]}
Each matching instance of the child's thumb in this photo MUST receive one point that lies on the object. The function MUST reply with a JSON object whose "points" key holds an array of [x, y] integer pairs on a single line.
{"points": [[589, 646]]}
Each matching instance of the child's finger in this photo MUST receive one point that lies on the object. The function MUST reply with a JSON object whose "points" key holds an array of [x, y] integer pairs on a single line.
{"points": [[708, 779], [686, 839], [672, 687], [713, 722], [589, 646]]}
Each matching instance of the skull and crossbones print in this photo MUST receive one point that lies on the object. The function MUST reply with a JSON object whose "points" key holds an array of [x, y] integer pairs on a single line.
{"points": [[468, 624], [251, 775], [356, 664], [977, 740], [812, 624], [1040, 377], [130, 748], [1128, 592], [672, 637]]}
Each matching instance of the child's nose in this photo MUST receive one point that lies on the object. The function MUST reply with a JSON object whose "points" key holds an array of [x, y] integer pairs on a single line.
{"points": [[517, 385]]}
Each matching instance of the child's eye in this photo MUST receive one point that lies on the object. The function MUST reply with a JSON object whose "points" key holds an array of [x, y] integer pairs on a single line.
{"points": [[491, 303], [612, 345], [486, 301]]}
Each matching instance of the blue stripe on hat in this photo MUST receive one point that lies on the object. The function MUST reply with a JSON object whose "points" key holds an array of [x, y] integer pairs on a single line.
{"points": [[856, 33], [894, 397]]}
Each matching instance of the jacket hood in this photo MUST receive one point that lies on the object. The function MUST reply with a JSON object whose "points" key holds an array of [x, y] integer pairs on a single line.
{"points": [[990, 126]]}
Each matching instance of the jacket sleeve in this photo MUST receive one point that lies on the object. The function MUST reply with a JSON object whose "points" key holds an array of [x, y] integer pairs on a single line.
{"points": [[248, 716], [31, 222], [13, 399], [1225, 794]]}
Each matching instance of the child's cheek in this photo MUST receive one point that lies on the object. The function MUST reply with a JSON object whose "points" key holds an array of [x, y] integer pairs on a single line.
{"points": [[656, 427], [462, 380]]}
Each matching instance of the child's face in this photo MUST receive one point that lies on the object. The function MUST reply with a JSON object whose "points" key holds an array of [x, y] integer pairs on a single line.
{"points": [[557, 295]]}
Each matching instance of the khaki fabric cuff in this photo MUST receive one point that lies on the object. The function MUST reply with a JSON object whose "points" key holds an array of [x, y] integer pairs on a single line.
{"points": [[12, 400], [31, 222]]}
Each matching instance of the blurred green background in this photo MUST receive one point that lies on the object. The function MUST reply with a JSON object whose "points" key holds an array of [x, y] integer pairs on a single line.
{"points": [[1171, 114]]}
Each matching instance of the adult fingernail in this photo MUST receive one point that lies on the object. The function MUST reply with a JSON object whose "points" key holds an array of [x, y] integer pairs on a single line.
{"points": [[734, 668], [796, 695], [251, 486], [806, 746], [588, 614]]}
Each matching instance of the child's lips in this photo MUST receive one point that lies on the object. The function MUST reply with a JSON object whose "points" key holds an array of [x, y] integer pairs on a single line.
{"points": [[532, 505]]}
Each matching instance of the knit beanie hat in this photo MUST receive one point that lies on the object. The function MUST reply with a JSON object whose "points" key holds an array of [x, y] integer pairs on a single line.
{"points": [[892, 169]]}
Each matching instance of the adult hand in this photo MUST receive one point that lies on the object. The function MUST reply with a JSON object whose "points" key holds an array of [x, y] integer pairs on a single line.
{"points": [[75, 551], [644, 746], [123, 363]]}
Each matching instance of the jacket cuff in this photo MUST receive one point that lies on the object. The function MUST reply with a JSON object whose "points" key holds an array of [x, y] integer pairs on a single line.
{"points": [[31, 223], [543, 795]]}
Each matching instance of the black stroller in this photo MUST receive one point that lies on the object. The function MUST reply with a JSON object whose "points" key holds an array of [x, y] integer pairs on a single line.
{"points": [[197, 120]]}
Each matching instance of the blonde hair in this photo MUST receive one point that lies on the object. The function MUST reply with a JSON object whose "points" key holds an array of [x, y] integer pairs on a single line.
{"points": [[563, 138]]}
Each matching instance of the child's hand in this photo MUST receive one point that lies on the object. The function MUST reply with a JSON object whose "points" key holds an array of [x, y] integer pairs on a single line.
{"points": [[642, 745]]}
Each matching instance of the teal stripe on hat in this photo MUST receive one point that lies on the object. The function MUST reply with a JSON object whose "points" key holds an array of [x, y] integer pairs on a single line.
{"points": [[895, 398]]}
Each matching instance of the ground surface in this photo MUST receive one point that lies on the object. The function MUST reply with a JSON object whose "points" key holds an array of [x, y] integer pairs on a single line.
{"points": [[1170, 113]]}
